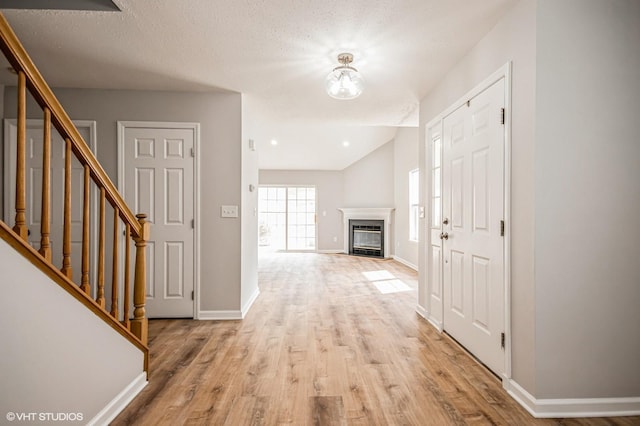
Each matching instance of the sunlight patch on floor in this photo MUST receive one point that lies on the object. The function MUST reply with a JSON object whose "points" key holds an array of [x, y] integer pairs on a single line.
{"points": [[386, 282], [391, 286]]}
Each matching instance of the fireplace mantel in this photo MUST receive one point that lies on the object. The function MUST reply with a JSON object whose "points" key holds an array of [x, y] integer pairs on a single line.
{"points": [[372, 213]]}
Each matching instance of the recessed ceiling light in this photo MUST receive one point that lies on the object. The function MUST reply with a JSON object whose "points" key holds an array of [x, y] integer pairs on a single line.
{"points": [[345, 143], [274, 142]]}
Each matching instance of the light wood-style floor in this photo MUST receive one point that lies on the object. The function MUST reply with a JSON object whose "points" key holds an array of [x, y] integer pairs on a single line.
{"points": [[321, 346]]}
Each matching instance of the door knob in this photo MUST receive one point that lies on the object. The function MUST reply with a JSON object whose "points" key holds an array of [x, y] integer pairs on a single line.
{"points": [[445, 221], [444, 236]]}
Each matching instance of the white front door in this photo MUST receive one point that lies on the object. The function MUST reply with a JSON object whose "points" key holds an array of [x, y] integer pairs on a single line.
{"points": [[158, 173], [34, 189], [472, 211]]}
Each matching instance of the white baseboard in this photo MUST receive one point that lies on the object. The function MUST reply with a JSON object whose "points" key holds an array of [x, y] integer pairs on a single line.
{"points": [[426, 315], [334, 251], [120, 402], [220, 315], [572, 407], [249, 303], [422, 312], [405, 262]]}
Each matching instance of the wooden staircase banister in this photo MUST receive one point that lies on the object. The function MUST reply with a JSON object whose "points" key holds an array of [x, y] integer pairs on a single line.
{"points": [[20, 61], [137, 228]]}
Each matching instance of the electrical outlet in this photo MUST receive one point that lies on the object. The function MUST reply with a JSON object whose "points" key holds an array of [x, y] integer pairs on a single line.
{"points": [[335, 239], [229, 211]]}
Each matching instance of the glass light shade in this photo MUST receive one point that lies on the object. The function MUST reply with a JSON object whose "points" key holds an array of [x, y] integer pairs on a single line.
{"points": [[344, 82]]}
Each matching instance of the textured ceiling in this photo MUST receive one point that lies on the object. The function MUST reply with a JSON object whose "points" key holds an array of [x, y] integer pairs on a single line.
{"points": [[277, 53]]}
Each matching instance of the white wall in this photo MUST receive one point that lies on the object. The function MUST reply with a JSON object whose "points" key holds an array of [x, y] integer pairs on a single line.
{"points": [[330, 196], [587, 168], [369, 181], [56, 356], [405, 160], [512, 39], [220, 118]]}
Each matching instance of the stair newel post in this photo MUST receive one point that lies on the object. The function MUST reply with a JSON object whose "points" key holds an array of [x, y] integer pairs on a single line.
{"points": [[20, 226], [100, 300], [45, 219], [84, 280], [139, 324], [67, 270]]}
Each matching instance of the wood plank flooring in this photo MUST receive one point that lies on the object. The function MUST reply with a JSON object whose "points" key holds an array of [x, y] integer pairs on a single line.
{"points": [[322, 346]]}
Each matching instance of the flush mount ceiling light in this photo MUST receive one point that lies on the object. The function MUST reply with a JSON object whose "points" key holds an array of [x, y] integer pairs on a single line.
{"points": [[344, 82]]}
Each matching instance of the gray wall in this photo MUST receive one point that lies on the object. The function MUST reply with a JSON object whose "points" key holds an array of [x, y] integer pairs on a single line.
{"points": [[220, 118], [330, 193], [405, 160], [512, 39], [587, 192], [369, 181]]}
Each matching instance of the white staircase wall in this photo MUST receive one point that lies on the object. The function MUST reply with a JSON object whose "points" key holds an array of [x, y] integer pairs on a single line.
{"points": [[56, 356]]}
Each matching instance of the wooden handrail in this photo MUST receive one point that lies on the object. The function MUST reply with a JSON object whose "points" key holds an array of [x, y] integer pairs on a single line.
{"points": [[21, 62], [137, 229]]}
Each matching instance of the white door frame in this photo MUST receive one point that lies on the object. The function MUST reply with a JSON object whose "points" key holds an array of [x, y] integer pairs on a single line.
{"points": [[122, 126], [9, 182], [502, 72]]}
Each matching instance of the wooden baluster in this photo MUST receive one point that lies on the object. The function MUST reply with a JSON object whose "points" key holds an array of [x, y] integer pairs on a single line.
{"points": [[67, 270], [101, 231], [114, 274], [20, 226], [84, 282], [127, 272], [45, 219], [139, 324]]}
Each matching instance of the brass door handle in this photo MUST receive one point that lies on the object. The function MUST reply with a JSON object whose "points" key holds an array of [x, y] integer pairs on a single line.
{"points": [[444, 236]]}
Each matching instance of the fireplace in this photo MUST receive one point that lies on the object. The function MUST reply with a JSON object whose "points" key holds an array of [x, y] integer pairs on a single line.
{"points": [[366, 237], [373, 242]]}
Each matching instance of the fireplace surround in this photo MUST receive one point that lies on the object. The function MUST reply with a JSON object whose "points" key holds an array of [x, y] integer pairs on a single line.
{"points": [[381, 214]]}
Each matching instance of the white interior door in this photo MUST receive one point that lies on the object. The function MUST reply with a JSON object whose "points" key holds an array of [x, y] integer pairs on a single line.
{"points": [[34, 189], [158, 172], [472, 209]]}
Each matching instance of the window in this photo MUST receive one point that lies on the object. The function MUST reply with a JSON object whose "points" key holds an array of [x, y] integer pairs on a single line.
{"points": [[414, 203], [287, 217], [436, 170]]}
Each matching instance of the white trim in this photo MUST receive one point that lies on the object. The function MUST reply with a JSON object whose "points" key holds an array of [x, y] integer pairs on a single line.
{"points": [[332, 251], [219, 315], [502, 72], [122, 126], [435, 322], [405, 262], [250, 302], [422, 311], [572, 407], [120, 402]]}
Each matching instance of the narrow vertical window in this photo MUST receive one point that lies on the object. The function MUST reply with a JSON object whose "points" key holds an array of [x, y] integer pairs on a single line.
{"points": [[414, 203]]}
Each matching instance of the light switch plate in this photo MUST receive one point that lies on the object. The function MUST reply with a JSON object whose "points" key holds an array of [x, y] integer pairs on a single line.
{"points": [[229, 211]]}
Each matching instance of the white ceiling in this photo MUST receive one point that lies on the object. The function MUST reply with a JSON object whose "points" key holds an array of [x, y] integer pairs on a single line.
{"points": [[277, 53]]}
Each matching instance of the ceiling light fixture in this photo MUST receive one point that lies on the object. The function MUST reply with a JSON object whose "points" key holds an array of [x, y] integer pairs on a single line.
{"points": [[344, 82]]}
